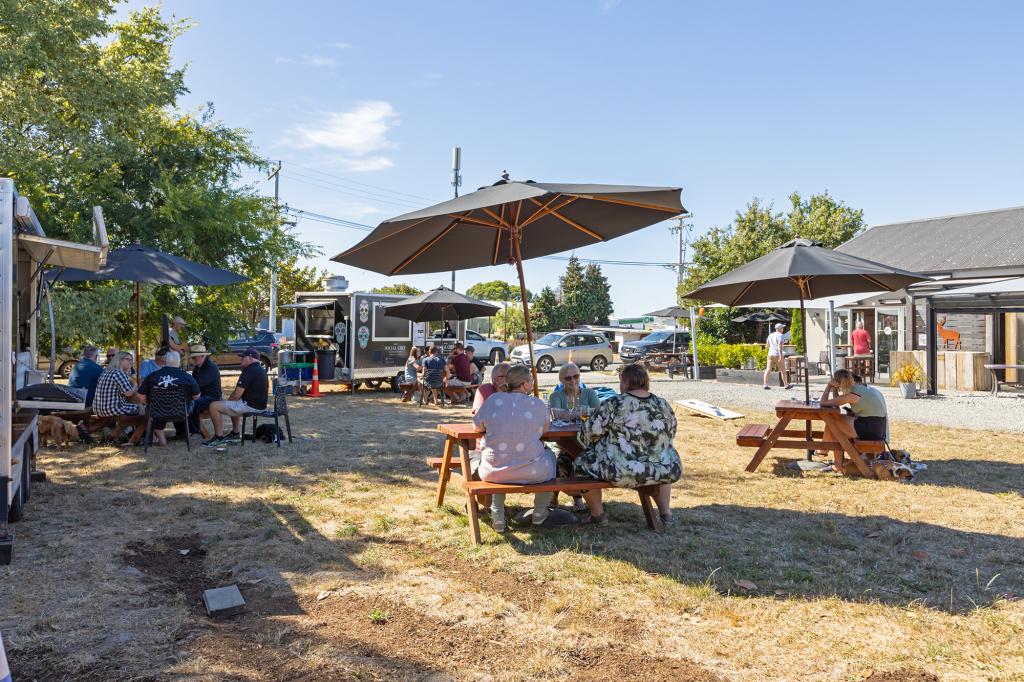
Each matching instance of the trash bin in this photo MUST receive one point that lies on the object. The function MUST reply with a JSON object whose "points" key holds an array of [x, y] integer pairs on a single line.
{"points": [[325, 360]]}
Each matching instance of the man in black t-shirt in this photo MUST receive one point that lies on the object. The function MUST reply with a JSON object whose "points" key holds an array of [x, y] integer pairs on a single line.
{"points": [[169, 376], [249, 396]]}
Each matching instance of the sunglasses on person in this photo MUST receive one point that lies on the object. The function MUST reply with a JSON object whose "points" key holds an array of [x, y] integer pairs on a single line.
{"points": [[572, 376]]}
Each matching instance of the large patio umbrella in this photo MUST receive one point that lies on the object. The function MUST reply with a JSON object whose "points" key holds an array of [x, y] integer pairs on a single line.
{"points": [[439, 304], [508, 222], [761, 316], [804, 269], [141, 264]]}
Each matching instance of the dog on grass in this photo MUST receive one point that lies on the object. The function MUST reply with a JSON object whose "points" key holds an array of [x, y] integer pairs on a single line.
{"points": [[56, 430]]}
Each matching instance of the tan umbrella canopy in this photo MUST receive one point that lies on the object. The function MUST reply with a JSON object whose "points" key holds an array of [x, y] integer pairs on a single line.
{"points": [[507, 223]]}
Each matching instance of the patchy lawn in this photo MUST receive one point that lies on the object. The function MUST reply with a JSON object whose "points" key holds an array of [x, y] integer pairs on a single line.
{"points": [[349, 572]]}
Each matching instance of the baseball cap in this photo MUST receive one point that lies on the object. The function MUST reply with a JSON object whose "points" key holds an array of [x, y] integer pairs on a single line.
{"points": [[250, 353]]}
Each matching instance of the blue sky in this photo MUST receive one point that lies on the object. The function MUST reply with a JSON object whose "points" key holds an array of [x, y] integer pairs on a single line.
{"points": [[906, 110]]}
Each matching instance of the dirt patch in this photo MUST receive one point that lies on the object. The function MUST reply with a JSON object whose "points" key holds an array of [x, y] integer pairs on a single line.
{"points": [[46, 665], [903, 675], [175, 565]]}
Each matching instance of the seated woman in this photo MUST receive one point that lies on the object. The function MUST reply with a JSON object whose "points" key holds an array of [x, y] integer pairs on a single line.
{"points": [[413, 368], [116, 395], [564, 405], [870, 418], [485, 391], [511, 450], [629, 444]]}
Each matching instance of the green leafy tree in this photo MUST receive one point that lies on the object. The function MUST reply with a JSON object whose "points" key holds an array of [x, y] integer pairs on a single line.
{"points": [[574, 304], [597, 295], [511, 321], [796, 331], [545, 311], [400, 289], [250, 301], [497, 290], [89, 116], [756, 231]]}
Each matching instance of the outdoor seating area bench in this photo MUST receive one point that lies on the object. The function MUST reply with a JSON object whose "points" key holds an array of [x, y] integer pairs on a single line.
{"points": [[766, 438], [464, 436], [994, 370]]}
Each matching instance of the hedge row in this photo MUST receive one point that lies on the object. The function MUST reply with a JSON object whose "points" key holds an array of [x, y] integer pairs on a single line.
{"points": [[731, 355]]}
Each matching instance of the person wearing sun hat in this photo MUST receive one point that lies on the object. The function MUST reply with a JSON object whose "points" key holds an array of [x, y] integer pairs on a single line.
{"points": [[207, 374]]}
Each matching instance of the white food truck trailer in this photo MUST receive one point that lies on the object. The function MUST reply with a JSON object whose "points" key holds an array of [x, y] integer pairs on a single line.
{"points": [[24, 251]]}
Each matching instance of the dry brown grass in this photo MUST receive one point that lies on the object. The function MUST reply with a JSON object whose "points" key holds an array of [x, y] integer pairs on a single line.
{"points": [[853, 578]]}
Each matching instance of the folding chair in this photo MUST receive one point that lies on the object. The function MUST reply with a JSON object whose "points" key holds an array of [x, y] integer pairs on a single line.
{"points": [[279, 410], [166, 404]]}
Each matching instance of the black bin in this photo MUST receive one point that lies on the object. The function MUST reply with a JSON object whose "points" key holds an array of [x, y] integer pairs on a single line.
{"points": [[325, 360]]}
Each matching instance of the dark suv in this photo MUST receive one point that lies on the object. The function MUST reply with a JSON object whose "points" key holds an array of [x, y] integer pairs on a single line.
{"points": [[655, 342], [266, 342]]}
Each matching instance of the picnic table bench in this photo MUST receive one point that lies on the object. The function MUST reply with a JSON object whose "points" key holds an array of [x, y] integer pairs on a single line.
{"points": [[464, 436], [994, 369], [766, 438]]}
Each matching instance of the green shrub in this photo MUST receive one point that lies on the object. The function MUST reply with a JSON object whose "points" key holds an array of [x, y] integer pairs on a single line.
{"points": [[731, 355]]}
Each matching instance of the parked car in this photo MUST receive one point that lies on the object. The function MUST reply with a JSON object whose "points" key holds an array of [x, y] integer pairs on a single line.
{"points": [[486, 351], [266, 342], [660, 341], [557, 348]]}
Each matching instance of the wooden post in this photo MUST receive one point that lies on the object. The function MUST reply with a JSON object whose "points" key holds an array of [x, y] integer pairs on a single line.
{"points": [[138, 331], [807, 373], [517, 254]]}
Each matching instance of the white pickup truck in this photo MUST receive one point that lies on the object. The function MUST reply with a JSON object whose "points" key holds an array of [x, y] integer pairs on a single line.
{"points": [[486, 350]]}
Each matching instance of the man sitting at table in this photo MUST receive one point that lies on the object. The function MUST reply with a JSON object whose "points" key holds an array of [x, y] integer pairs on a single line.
{"points": [[85, 374], [249, 396], [870, 417], [435, 371], [158, 361], [461, 367], [207, 374], [170, 375], [775, 358]]}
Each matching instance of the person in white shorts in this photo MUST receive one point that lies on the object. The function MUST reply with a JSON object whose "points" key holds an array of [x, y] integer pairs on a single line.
{"points": [[249, 396], [775, 359]]}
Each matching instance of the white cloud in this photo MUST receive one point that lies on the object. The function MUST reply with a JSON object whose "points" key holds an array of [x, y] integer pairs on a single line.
{"points": [[339, 45], [360, 134], [609, 5], [308, 60]]}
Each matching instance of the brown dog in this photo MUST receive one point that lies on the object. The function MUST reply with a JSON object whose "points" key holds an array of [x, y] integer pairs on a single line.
{"points": [[56, 430]]}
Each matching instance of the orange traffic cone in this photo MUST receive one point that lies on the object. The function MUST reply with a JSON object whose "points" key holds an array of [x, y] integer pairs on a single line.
{"points": [[314, 390]]}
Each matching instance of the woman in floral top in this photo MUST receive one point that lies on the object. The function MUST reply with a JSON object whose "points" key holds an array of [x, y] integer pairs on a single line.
{"points": [[629, 444]]}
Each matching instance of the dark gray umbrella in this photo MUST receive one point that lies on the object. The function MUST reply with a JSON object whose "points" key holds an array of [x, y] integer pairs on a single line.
{"points": [[802, 268], [762, 316], [508, 222], [143, 265], [671, 311], [439, 304]]}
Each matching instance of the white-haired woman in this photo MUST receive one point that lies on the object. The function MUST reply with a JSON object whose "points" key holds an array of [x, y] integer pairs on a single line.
{"points": [[116, 395], [511, 450]]}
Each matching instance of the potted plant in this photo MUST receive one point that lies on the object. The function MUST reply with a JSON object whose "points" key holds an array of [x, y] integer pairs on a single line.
{"points": [[907, 377]]}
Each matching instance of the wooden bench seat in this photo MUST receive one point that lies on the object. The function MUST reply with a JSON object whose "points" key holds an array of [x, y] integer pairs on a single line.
{"points": [[566, 485], [408, 391], [438, 462], [752, 435]]}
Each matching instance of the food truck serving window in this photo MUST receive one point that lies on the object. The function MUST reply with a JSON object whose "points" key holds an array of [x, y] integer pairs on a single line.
{"points": [[389, 328]]}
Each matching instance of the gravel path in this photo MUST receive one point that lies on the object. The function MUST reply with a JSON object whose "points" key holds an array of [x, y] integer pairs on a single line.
{"points": [[954, 409]]}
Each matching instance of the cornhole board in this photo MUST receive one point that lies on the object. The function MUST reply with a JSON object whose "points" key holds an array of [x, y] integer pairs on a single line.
{"points": [[708, 410]]}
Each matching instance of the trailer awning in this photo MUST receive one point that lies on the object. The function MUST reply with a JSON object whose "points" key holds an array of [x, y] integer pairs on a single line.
{"points": [[64, 254], [306, 305]]}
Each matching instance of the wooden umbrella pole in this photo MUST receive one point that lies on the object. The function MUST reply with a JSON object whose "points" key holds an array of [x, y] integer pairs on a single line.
{"points": [[138, 329], [526, 306]]}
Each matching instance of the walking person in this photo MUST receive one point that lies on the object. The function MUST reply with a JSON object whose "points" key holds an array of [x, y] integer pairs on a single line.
{"points": [[775, 358]]}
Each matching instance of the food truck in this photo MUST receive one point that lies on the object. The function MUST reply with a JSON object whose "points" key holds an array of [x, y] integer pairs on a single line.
{"points": [[349, 337], [25, 251]]}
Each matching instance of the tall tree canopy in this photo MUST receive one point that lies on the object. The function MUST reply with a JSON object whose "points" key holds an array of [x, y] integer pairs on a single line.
{"points": [[497, 290], [545, 312], [597, 295], [757, 230], [400, 289], [89, 116]]}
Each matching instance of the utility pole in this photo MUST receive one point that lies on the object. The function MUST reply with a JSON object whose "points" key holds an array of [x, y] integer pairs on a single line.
{"points": [[456, 183], [276, 174]]}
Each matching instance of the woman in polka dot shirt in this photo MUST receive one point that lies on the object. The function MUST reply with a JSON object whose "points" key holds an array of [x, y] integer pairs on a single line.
{"points": [[511, 450]]}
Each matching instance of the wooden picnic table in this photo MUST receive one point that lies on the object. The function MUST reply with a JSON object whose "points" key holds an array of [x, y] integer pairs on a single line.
{"points": [[863, 365], [464, 436], [766, 438]]}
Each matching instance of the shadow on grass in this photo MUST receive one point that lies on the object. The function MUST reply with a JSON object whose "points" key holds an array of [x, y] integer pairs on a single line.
{"points": [[985, 476], [810, 555]]}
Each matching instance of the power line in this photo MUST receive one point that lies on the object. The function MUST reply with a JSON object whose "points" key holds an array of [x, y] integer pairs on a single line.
{"points": [[400, 203], [363, 184]]}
